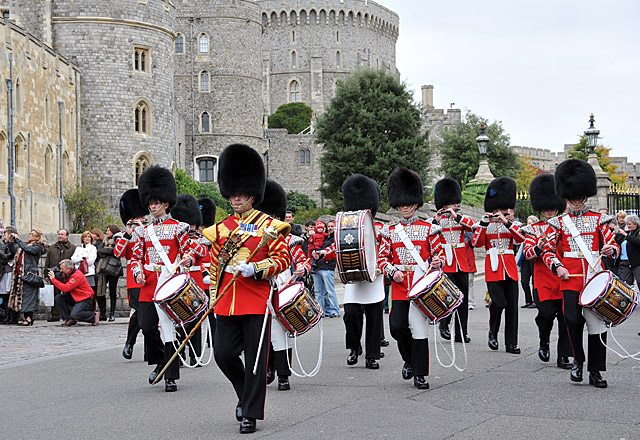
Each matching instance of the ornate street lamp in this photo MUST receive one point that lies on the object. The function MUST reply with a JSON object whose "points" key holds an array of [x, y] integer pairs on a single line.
{"points": [[592, 135], [484, 173], [483, 142]]}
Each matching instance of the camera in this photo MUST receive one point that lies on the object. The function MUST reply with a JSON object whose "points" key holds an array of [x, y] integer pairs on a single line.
{"points": [[57, 273]]}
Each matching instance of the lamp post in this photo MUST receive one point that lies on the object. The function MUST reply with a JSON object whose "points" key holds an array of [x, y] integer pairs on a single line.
{"points": [[484, 172], [592, 140]]}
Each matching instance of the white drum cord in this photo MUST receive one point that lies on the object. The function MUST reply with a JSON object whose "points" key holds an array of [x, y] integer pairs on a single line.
{"points": [[452, 355], [627, 355], [208, 341], [295, 349]]}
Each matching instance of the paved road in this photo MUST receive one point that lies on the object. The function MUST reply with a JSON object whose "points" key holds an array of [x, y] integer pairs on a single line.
{"points": [[72, 383]]}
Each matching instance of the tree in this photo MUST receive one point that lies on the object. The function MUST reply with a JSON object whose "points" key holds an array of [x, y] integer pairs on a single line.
{"points": [[186, 185], [370, 127], [88, 206], [527, 172], [460, 155], [581, 151], [297, 202], [295, 117]]}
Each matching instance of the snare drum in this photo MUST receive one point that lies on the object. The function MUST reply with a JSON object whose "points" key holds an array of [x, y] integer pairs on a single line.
{"points": [[356, 251], [435, 295], [181, 298], [298, 311], [609, 297]]}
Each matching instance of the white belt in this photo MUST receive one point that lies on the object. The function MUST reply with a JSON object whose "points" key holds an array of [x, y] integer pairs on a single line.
{"points": [[194, 268], [153, 267], [406, 267], [457, 245], [580, 254], [505, 251]]}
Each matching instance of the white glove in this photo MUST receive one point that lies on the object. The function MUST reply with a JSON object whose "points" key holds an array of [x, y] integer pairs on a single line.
{"points": [[247, 270]]}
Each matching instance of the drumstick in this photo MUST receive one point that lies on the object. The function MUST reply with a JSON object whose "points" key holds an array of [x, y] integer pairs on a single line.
{"points": [[593, 268], [431, 264], [264, 326], [575, 275], [290, 278], [185, 258], [269, 234]]}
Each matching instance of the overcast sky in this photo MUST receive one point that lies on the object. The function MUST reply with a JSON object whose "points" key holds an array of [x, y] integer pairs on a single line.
{"points": [[541, 67]]}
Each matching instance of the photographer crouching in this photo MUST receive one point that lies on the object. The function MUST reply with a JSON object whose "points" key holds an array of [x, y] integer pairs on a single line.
{"points": [[76, 293]]}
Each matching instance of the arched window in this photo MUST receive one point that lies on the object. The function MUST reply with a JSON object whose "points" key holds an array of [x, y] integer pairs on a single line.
{"points": [[48, 166], [207, 168], [338, 60], [66, 168], [294, 59], [179, 43], [308, 156], [142, 118], [4, 149], [203, 43], [204, 81], [204, 123], [19, 156], [301, 156], [294, 91], [141, 161], [141, 59], [47, 111], [18, 98]]}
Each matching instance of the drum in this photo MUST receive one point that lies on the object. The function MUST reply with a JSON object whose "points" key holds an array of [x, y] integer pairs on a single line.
{"points": [[609, 297], [435, 295], [356, 251], [181, 298], [298, 311]]}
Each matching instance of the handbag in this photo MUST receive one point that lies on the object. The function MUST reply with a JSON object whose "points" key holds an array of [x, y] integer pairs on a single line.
{"points": [[83, 266], [110, 266], [46, 295], [33, 280]]}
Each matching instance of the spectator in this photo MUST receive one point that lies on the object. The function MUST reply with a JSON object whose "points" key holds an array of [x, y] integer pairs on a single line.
{"points": [[24, 296], [308, 232], [526, 272], [295, 228], [86, 251], [619, 229], [323, 278], [63, 249], [77, 293], [630, 248], [98, 242], [109, 270], [7, 252]]}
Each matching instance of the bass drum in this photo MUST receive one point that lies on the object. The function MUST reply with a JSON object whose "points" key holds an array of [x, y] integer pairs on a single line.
{"points": [[356, 250]]}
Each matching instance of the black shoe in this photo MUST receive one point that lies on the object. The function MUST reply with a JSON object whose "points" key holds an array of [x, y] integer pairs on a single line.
{"points": [[154, 373], [248, 425], [352, 359], [271, 374], [512, 348], [420, 383], [371, 364], [493, 342], [127, 352], [283, 383], [381, 354], [407, 371], [526, 306], [576, 371], [445, 333], [563, 362], [467, 339], [532, 306], [52, 319], [170, 385], [103, 317], [595, 379], [384, 342], [239, 411], [111, 318], [543, 352]]}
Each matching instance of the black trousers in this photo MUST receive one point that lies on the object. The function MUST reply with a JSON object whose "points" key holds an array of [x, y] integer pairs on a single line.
{"points": [[134, 326], [548, 311], [526, 276], [81, 311], [353, 321], [413, 351], [157, 352], [461, 280], [597, 360], [504, 296], [278, 361], [235, 334]]}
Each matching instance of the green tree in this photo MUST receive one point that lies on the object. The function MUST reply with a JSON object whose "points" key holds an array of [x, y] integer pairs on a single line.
{"points": [[527, 172], [186, 185], [370, 127], [88, 206], [295, 117], [460, 155], [581, 151], [297, 202]]}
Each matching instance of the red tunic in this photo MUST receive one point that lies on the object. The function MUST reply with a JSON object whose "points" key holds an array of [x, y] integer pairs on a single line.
{"points": [[124, 248], [453, 234], [497, 235], [544, 281]]}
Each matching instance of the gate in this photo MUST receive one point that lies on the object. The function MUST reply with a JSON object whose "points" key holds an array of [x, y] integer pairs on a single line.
{"points": [[523, 207], [623, 198]]}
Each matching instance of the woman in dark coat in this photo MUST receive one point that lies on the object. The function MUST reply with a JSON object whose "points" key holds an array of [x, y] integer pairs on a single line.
{"points": [[24, 297], [7, 252], [105, 278]]}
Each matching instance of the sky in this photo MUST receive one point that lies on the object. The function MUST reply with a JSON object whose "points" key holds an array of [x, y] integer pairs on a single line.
{"points": [[540, 67]]}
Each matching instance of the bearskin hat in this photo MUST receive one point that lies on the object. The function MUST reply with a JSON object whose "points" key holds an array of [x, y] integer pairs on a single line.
{"points": [[575, 179], [501, 194], [187, 210], [241, 171], [208, 211], [361, 192], [157, 183], [404, 188], [446, 192], [274, 202], [542, 193], [130, 206]]}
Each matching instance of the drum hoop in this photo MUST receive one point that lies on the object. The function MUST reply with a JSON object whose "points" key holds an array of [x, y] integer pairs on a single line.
{"points": [[165, 282], [592, 302]]}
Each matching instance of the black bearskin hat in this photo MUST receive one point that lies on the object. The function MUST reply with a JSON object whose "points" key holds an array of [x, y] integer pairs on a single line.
{"points": [[274, 202], [575, 179], [446, 192], [157, 183], [187, 210], [404, 188], [542, 193], [501, 194], [361, 192], [130, 206], [241, 171], [208, 211]]}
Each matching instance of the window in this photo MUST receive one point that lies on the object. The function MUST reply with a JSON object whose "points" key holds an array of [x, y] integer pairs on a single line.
{"points": [[141, 59], [18, 96], [204, 43], [308, 156], [294, 91], [204, 123], [142, 118], [338, 36], [140, 163], [47, 111], [301, 156], [305, 156], [294, 59], [179, 43], [204, 81], [206, 167], [48, 162], [293, 36], [338, 59]]}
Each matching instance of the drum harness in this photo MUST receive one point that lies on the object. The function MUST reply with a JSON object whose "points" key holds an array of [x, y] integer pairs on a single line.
{"points": [[416, 256]]}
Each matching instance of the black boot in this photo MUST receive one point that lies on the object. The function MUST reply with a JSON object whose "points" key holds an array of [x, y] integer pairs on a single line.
{"points": [[543, 351], [112, 311], [595, 379], [576, 371], [102, 304], [12, 317], [352, 359], [493, 342]]}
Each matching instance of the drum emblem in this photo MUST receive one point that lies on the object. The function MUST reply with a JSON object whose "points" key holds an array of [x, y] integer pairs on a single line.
{"points": [[349, 238]]}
